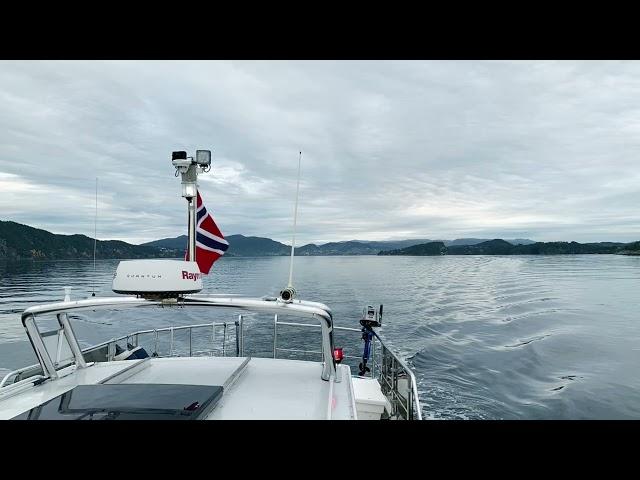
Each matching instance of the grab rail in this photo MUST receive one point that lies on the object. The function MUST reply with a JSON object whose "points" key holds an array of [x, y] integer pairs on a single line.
{"points": [[300, 308], [397, 381], [135, 338]]}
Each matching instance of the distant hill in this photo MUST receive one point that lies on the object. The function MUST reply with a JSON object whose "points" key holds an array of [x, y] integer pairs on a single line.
{"points": [[394, 244], [241, 246], [490, 247], [19, 241], [474, 241], [630, 249], [179, 243], [561, 248], [502, 247], [398, 244], [350, 247], [521, 241], [431, 248]]}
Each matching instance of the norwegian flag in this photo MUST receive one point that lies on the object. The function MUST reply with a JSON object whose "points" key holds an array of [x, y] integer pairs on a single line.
{"points": [[210, 243]]}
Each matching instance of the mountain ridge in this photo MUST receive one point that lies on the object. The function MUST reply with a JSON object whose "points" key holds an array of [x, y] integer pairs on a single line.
{"points": [[241, 245], [19, 241], [498, 246]]}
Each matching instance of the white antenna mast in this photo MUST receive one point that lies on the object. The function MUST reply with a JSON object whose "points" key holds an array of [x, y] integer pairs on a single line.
{"points": [[288, 293], [95, 240], [295, 219]]}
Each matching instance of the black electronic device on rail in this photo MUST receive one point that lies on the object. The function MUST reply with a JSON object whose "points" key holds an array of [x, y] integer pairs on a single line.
{"points": [[371, 318]]}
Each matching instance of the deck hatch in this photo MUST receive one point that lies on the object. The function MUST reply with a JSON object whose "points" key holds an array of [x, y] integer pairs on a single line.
{"points": [[129, 401]]}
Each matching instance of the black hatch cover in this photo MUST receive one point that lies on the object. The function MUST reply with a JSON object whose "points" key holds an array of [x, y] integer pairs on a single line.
{"points": [[129, 401]]}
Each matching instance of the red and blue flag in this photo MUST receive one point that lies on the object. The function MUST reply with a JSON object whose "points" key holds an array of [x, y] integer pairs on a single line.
{"points": [[210, 243]]}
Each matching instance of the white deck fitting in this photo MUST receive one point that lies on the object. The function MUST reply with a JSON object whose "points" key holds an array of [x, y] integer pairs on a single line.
{"points": [[266, 388], [370, 401]]}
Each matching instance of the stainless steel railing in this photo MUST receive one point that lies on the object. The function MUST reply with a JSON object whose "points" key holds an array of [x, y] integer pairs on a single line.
{"points": [[398, 383], [396, 379], [209, 329], [106, 351]]}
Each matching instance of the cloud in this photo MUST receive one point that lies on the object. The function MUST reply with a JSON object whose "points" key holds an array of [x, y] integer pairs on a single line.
{"points": [[391, 149]]}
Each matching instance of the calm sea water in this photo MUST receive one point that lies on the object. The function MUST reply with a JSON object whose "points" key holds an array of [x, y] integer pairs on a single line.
{"points": [[526, 337]]}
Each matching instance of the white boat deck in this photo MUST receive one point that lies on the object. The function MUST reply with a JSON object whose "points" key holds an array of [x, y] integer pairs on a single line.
{"points": [[215, 388], [264, 388]]}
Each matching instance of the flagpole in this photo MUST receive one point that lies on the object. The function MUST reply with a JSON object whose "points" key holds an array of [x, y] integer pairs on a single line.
{"points": [[95, 241], [295, 218], [192, 226]]}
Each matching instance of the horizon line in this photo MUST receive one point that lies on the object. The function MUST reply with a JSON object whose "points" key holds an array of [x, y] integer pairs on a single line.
{"points": [[319, 243]]}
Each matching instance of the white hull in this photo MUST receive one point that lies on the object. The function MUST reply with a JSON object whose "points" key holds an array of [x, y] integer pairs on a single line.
{"points": [[255, 388]]}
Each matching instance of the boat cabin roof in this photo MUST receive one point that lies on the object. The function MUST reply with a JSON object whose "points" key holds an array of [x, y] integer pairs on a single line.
{"points": [[224, 387]]}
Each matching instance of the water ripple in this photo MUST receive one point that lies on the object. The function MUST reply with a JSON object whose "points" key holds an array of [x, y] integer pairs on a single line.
{"points": [[488, 337]]}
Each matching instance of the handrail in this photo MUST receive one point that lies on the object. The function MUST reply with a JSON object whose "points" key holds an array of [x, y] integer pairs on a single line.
{"points": [[414, 387], [412, 409], [266, 304], [312, 325], [134, 336], [154, 330], [389, 372], [17, 372], [18, 386]]}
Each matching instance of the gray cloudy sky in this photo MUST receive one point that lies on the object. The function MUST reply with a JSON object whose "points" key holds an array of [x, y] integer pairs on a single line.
{"points": [[391, 149]]}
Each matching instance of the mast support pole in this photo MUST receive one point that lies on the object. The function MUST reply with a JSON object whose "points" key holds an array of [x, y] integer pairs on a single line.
{"points": [[188, 168], [192, 203]]}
